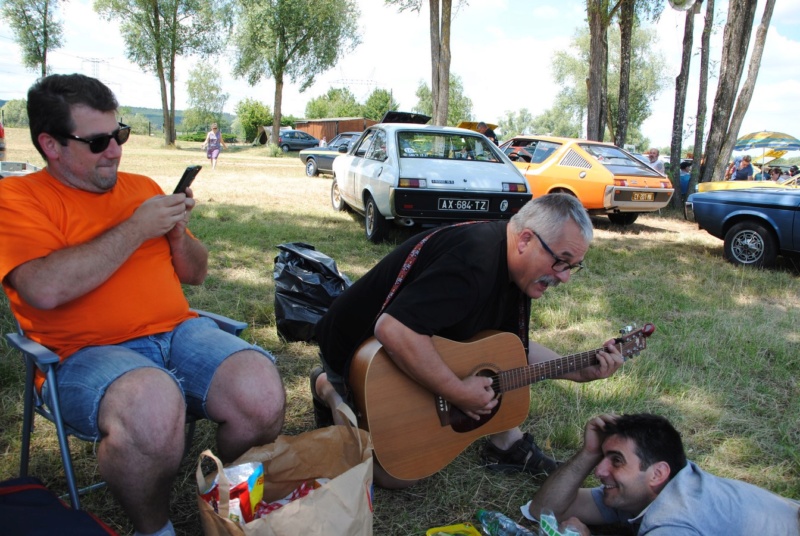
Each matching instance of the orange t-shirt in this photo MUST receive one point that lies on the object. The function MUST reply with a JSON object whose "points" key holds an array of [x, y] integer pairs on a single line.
{"points": [[40, 215]]}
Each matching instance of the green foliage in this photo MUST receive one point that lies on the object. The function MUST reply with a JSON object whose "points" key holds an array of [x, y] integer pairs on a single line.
{"points": [[298, 39], [206, 99], [378, 103], [35, 30], [15, 112], [459, 109], [338, 102], [157, 32], [571, 69], [252, 114]]}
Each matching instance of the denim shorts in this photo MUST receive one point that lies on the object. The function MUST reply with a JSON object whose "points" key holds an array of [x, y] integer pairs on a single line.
{"points": [[190, 354]]}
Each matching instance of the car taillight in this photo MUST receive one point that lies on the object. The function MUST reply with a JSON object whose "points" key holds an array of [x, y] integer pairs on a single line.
{"points": [[413, 183], [620, 182], [514, 187], [666, 184]]}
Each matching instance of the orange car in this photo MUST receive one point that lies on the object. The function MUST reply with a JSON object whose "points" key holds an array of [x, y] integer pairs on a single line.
{"points": [[605, 178]]}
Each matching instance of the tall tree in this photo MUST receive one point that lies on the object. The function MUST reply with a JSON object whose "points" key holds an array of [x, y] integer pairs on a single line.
{"points": [[700, 121], [746, 95], [206, 98], [627, 17], [571, 69], [460, 108], [681, 81], [440, 20], [35, 30], [157, 32], [298, 39], [735, 42], [514, 123], [378, 103], [599, 14]]}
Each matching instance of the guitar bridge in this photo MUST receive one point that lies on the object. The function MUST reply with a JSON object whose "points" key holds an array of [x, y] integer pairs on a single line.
{"points": [[442, 410]]}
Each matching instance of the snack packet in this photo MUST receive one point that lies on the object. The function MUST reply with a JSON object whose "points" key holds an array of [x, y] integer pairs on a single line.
{"points": [[246, 491]]}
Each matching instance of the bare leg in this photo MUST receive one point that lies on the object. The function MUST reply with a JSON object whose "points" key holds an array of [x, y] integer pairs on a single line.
{"points": [[141, 420], [247, 400], [382, 479]]}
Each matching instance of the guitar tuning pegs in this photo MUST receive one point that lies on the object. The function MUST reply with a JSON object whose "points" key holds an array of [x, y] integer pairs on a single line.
{"points": [[627, 329]]}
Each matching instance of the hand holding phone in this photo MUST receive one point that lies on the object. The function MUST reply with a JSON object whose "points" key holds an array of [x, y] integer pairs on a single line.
{"points": [[188, 176]]}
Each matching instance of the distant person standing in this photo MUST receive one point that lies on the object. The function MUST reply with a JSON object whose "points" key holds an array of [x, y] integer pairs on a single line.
{"points": [[213, 144], [745, 170], [488, 132], [655, 163], [324, 142]]}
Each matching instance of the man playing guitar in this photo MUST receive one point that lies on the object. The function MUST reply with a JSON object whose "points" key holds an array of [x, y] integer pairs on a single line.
{"points": [[461, 280]]}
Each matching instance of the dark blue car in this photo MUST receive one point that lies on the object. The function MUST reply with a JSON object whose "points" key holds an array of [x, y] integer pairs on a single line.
{"points": [[756, 224], [320, 159]]}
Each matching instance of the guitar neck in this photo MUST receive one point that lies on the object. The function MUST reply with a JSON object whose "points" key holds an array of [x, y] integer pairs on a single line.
{"points": [[524, 376]]}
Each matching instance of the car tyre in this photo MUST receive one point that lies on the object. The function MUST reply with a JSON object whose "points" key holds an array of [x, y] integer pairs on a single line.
{"points": [[375, 223], [311, 168], [337, 202], [285, 148], [751, 244], [623, 218]]}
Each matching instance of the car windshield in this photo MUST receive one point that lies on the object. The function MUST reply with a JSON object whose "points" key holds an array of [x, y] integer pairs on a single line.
{"points": [[446, 146], [617, 161]]}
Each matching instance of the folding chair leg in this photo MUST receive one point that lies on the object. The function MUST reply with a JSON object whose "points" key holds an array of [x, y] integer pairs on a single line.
{"points": [[63, 441], [27, 420]]}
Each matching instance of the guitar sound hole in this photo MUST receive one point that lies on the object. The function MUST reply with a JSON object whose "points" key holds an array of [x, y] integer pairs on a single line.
{"points": [[461, 423]]}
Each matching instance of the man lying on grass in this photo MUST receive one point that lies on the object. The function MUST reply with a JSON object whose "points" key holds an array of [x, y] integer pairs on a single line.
{"points": [[647, 483]]}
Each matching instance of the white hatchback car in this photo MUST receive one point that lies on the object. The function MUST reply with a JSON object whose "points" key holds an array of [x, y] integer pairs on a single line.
{"points": [[418, 175]]}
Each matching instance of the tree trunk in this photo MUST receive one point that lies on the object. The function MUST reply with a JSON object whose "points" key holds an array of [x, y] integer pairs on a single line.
{"points": [[736, 39], [440, 16], [435, 55], [626, 16], [745, 96], [680, 108], [598, 65], [698, 162], [276, 118]]}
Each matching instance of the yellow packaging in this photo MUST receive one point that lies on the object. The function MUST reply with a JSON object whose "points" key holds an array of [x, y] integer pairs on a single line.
{"points": [[462, 529]]}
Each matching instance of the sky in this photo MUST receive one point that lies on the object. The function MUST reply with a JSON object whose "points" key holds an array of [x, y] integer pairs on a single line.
{"points": [[501, 49]]}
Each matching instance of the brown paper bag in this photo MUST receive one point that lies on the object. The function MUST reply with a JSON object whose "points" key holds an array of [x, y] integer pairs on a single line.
{"points": [[342, 507]]}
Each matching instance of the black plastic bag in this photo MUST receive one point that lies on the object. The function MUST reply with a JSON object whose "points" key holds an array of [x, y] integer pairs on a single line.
{"points": [[306, 283]]}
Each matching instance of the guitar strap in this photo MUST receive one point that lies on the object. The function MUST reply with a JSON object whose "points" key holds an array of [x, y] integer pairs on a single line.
{"points": [[524, 304]]}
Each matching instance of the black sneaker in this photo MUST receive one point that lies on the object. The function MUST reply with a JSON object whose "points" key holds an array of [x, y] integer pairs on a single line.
{"points": [[323, 416], [523, 456]]}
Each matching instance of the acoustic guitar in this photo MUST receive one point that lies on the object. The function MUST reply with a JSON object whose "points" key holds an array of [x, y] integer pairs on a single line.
{"points": [[416, 433]]}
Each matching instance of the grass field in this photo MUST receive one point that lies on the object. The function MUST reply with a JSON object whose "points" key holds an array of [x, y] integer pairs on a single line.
{"points": [[723, 364]]}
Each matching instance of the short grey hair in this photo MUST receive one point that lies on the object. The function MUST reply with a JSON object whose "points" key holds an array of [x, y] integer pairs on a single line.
{"points": [[548, 214]]}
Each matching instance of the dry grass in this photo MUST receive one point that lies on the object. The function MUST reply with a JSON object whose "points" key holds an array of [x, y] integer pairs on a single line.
{"points": [[723, 364]]}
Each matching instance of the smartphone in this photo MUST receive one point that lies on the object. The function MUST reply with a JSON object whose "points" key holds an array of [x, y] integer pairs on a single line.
{"points": [[188, 176]]}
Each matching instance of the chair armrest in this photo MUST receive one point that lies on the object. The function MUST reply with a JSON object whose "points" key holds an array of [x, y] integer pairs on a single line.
{"points": [[42, 356], [234, 327]]}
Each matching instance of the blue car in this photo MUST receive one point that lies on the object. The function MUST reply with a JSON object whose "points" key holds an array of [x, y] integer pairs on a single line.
{"points": [[320, 159], [757, 224]]}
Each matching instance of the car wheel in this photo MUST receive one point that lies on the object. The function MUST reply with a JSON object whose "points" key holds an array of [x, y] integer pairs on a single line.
{"points": [[750, 244], [337, 202], [285, 148], [375, 223], [623, 218], [311, 168]]}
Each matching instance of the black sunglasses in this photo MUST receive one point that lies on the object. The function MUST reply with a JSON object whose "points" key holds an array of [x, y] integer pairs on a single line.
{"points": [[560, 265], [99, 143]]}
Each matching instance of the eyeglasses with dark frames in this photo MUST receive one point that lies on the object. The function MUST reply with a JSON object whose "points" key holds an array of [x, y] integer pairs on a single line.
{"points": [[560, 265], [99, 143]]}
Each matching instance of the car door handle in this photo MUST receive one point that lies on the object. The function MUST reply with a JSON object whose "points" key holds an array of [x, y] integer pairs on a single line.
{"points": [[380, 171]]}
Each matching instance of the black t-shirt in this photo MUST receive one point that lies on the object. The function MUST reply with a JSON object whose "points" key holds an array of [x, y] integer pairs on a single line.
{"points": [[491, 135], [458, 286]]}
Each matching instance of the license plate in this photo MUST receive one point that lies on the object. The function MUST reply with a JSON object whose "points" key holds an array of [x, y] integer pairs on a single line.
{"points": [[642, 196], [474, 205]]}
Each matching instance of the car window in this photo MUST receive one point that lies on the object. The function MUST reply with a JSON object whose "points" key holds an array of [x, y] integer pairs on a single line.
{"points": [[446, 145], [543, 150], [617, 161], [361, 150], [378, 149]]}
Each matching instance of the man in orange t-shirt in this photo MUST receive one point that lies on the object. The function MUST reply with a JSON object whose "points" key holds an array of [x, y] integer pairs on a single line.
{"points": [[92, 261]]}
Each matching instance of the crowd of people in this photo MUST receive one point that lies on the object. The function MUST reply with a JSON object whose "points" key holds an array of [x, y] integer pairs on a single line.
{"points": [[78, 235]]}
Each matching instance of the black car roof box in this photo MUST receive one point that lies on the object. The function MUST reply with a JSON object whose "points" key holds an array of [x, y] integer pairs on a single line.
{"points": [[393, 116]]}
